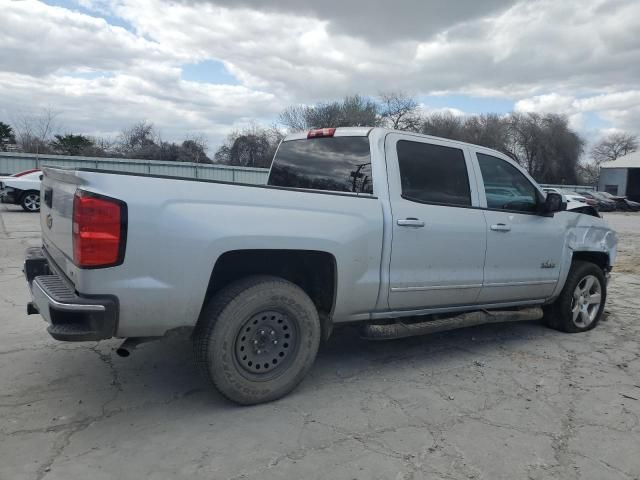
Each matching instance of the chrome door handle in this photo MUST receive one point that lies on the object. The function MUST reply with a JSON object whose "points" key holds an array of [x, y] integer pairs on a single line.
{"points": [[411, 222], [500, 227]]}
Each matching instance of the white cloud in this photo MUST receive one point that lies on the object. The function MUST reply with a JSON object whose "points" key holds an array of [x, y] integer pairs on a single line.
{"points": [[620, 109], [38, 40], [578, 57]]}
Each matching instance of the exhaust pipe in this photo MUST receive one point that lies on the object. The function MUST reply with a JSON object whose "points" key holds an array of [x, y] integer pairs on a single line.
{"points": [[130, 344]]}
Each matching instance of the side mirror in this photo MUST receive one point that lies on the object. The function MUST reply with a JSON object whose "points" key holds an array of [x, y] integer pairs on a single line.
{"points": [[554, 203]]}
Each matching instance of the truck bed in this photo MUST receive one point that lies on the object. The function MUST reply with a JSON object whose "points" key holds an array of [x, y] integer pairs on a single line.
{"points": [[177, 229]]}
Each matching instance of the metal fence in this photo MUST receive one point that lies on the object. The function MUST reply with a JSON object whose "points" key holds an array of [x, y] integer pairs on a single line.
{"points": [[573, 188], [11, 162]]}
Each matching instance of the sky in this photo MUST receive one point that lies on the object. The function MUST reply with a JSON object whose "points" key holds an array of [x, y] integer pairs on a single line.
{"points": [[208, 67]]}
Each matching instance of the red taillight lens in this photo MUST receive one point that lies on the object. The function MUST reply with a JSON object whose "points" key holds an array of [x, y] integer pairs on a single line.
{"points": [[98, 236], [321, 132]]}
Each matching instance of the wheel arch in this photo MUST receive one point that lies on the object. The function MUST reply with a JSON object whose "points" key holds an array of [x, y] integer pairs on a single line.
{"points": [[601, 259], [312, 270]]}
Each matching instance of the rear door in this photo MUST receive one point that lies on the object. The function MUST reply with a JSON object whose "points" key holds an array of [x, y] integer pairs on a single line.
{"points": [[439, 233], [524, 249]]}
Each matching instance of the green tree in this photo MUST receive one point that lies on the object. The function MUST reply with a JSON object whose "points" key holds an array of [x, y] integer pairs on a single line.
{"points": [[6, 135], [70, 144], [194, 150]]}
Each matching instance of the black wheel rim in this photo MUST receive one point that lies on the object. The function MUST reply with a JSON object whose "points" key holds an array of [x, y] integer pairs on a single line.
{"points": [[266, 344]]}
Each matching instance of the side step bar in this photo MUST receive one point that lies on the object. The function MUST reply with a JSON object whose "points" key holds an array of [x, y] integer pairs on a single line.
{"points": [[478, 317]]}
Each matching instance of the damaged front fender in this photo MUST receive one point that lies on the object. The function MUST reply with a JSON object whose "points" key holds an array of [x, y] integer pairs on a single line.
{"points": [[592, 234]]}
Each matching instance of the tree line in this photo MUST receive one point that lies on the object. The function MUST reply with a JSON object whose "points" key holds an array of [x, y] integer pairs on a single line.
{"points": [[141, 141], [544, 144]]}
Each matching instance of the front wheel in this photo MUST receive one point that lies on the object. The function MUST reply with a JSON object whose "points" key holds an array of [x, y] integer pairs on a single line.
{"points": [[257, 338], [30, 201], [581, 302]]}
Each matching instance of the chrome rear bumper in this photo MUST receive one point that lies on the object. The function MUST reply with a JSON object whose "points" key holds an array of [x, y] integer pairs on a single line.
{"points": [[71, 317]]}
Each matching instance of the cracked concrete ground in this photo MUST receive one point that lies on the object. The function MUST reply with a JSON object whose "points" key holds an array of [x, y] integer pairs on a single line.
{"points": [[499, 401]]}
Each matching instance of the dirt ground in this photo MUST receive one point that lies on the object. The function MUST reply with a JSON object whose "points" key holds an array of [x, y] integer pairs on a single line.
{"points": [[492, 402], [627, 226]]}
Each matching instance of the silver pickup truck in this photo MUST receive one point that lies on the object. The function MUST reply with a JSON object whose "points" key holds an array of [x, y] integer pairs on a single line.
{"points": [[400, 233]]}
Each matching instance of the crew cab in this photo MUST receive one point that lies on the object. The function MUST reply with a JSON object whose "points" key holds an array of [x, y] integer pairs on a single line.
{"points": [[400, 233], [22, 189]]}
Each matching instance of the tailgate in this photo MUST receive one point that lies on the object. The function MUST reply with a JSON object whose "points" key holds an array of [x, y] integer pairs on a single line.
{"points": [[56, 211]]}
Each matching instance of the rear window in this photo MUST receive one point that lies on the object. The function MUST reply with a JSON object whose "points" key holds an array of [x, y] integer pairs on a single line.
{"points": [[338, 164]]}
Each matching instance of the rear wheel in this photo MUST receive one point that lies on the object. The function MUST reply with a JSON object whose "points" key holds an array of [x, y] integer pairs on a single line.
{"points": [[257, 339], [581, 303], [30, 201]]}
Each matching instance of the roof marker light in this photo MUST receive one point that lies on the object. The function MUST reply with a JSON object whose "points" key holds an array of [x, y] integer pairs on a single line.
{"points": [[321, 132]]}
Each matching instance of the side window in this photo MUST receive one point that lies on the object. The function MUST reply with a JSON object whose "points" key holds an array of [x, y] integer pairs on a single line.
{"points": [[433, 174], [505, 186]]}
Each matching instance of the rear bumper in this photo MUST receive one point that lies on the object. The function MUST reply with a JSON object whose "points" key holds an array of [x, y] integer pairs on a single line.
{"points": [[71, 317]]}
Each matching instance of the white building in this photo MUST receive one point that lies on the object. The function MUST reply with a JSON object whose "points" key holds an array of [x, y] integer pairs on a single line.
{"points": [[622, 176]]}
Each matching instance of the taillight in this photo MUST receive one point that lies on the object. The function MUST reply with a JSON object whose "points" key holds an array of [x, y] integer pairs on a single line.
{"points": [[99, 230], [321, 132]]}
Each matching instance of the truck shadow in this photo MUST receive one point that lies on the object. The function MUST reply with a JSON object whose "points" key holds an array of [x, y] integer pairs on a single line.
{"points": [[162, 374], [165, 368]]}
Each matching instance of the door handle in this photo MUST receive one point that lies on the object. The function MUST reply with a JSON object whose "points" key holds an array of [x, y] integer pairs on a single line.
{"points": [[500, 227], [411, 222]]}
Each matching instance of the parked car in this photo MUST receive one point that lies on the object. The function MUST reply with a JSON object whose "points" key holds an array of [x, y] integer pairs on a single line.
{"points": [[603, 204], [574, 201], [622, 203], [22, 189], [581, 198], [392, 231]]}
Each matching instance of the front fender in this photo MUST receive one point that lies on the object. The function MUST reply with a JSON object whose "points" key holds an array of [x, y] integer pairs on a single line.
{"points": [[585, 233], [591, 234]]}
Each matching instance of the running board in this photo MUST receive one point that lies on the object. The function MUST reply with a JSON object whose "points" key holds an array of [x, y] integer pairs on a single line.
{"points": [[469, 319]]}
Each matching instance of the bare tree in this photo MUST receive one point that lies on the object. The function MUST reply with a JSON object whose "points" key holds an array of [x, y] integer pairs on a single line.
{"points": [[588, 172], [446, 125], [34, 132], [352, 111], [399, 111], [253, 146], [294, 117], [614, 146], [141, 140]]}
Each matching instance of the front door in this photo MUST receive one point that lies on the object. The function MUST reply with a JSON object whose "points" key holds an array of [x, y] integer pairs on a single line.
{"points": [[524, 249], [439, 238]]}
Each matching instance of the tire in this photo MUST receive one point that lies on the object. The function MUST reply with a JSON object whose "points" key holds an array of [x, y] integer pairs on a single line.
{"points": [[30, 201], [257, 339], [575, 310]]}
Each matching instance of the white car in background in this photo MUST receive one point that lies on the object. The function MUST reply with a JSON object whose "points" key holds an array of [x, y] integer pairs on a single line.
{"points": [[22, 189], [574, 201]]}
